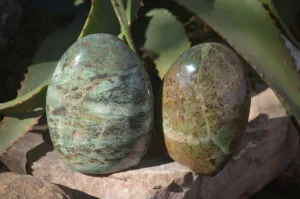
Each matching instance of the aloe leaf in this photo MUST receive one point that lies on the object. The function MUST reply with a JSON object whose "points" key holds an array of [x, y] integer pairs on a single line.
{"points": [[295, 52], [102, 18], [24, 111], [166, 38], [285, 12], [252, 33], [20, 120], [38, 99], [11, 133], [132, 7], [44, 63], [15, 125]]}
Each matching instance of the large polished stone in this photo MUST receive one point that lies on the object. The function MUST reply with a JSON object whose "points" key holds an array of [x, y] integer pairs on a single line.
{"points": [[100, 106], [206, 101]]}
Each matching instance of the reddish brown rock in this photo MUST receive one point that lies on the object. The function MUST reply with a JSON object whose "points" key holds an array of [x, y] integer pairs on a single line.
{"points": [[290, 177], [17, 156], [15, 186]]}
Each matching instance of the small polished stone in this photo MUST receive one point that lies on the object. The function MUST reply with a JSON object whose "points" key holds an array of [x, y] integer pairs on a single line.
{"points": [[100, 106], [206, 102]]}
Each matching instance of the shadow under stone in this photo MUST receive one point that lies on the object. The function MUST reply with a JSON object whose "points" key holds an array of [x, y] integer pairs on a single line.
{"points": [[3, 168], [145, 163], [74, 193], [35, 154]]}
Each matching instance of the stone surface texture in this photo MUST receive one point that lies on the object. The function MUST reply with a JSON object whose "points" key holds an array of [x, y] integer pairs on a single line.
{"points": [[18, 155], [100, 106], [15, 186], [206, 102], [267, 147], [10, 14], [290, 177]]}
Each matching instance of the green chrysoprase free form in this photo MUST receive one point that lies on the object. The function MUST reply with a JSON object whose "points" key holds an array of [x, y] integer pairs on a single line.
{"points": [[206, 102], [100, 106]]}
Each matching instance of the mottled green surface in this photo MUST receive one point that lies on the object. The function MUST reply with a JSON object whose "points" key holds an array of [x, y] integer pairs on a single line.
{"points": [[206, 102], [100, 106]]}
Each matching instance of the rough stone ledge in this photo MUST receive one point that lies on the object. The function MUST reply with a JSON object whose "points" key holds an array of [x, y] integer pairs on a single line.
{"points": [[16, 186], [267, 148]]}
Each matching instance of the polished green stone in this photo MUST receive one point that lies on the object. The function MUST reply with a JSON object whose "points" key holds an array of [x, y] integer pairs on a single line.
{"points": [[100, 106], [206, 102]]}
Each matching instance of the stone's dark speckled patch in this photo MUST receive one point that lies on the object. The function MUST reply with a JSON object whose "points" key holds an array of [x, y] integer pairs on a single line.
{"points": [[100, 106], [98, 76], [206, 103]]}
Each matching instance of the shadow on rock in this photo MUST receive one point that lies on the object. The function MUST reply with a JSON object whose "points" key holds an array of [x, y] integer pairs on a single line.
{"points": [[74, 193], [35, 154]]}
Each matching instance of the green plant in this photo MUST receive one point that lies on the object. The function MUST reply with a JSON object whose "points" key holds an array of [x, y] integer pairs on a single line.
{"points": [[163, 30]]}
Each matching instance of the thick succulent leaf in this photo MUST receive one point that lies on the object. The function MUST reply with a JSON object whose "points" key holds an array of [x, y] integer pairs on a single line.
{"points": [[20, 119], [295, 52], [287, 10], [166, 38], [36, 100], [31, 147], [43, 65], [286, 13], [250, 30], [24, 111], [132, 7], [15, 125], [102, 18]]}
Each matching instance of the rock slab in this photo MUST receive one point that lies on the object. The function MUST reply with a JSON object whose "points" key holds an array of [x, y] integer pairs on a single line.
{"points": [[17, 156], [290, 177], [268, 146], [16, 186]]}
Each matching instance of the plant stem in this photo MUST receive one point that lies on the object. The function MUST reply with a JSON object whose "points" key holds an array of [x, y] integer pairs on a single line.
{"points": [[128, 11], [121, 35], [120, 12]]}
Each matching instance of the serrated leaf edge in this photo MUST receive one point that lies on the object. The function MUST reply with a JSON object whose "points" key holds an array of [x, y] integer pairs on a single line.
{"points": [[268, 12], [23, 98], [247, 60], [284, 29], [22, 136], [87, 19]]}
